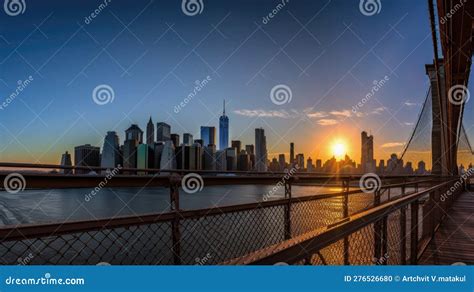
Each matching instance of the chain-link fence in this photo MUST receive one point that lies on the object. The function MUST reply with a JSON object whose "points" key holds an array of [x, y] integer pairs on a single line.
{"points": [[203, 237]]}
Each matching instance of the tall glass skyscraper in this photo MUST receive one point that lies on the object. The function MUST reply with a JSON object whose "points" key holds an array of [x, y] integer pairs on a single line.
{"points": [[208, 135], [223, 131]]}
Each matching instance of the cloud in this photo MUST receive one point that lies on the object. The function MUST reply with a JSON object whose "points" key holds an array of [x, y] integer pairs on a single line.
{"points": [[378, 111], [407, 103], [392, 145], [264, 113], [408, 124], [316, 115], [327, 122], [343, 113]]}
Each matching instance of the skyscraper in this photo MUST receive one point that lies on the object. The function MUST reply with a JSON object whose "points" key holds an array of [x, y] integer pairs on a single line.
{"points": [[66, 161], [292, 153], [145, 158], [282, 162], [168, 160], [175, 139], [188, 139], [150, 132], [223, 130], [208, 135], [367, 153], [134, 133], [111, 151], [86, 156], [209, 157], [237, 145], [163, 132], [260, 150]]}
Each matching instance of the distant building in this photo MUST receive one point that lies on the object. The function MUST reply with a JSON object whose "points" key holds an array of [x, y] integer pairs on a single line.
{"points": [[243, 161], [300, 161], [237, 145], [231, 157], [367, 153], [209, 157], [134, 133], [221, 160], [158, 150], [282, 162], [208, 135], [163, 132], [195, 159], [66, 161], [150, 132], [145, 158], [292, 153], [175, 139], [130, 154], [199, 141], [309, 165], [110, 151], [86, 156], [223, 131], [421, 168], [250, 149], [168, 156], [188, 139], [260, 150]]}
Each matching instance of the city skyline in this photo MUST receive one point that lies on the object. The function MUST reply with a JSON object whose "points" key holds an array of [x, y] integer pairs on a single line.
{"points": [[239, 65]]}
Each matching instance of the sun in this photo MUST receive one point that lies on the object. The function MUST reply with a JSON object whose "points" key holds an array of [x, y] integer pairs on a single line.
{"points": [[339, 149]]}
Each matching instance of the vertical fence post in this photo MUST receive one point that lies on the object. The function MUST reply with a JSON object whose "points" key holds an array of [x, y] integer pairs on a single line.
{"points": [[377, 230], [414, 233], [288, 209], [175, 181], [345, 187], [403, 234]]}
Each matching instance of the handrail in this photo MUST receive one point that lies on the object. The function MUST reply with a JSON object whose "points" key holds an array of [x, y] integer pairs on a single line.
{"points": [[24, 231], [311, 242]]}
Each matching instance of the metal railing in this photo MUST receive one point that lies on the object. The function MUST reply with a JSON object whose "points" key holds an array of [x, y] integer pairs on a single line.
{"points": [[396, 232], [205, 236]]}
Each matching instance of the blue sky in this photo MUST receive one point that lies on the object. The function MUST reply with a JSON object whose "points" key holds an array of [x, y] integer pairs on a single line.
{"points": [[151, 54]]}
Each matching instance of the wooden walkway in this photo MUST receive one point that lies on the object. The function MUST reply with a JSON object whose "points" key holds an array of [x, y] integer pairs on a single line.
{"points": [[454, 241]]}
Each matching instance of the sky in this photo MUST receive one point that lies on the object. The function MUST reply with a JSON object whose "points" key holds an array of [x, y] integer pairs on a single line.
{"points": [[150, 55]]}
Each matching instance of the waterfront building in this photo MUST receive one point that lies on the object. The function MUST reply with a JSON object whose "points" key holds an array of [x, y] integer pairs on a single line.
{"points": [[66, 161], [188, 139], [260, 150], [86, 156], [110, 151], [223, 130], [150, 132], [163, 132], [208, 135]]}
